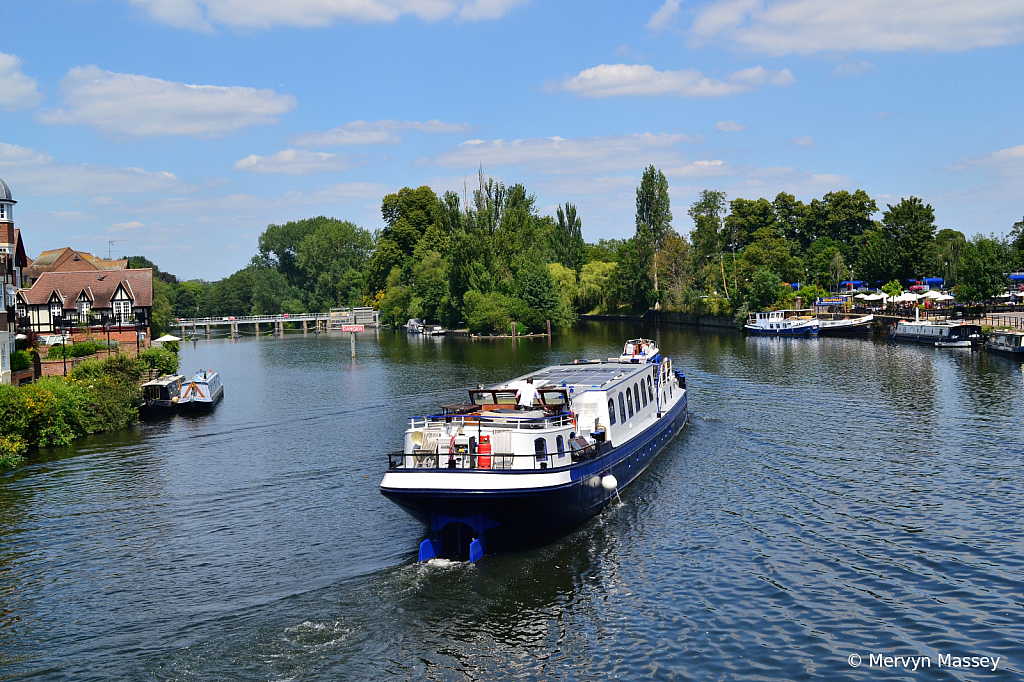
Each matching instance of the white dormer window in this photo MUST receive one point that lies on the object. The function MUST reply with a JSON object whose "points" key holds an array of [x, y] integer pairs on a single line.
{"points": [[56, 309], [83, 307], [123, 311]]}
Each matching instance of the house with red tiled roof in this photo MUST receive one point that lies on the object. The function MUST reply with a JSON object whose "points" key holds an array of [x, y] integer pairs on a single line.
{"points": [[69, 260], [92, 298]]}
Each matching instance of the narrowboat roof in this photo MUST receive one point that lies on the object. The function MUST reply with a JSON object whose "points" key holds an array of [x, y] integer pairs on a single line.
{"points": [[582, 376], [165, 380]]}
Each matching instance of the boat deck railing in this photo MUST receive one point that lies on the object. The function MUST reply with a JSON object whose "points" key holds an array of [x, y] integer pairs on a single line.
{"points": [[492, 462], [511, 421]]}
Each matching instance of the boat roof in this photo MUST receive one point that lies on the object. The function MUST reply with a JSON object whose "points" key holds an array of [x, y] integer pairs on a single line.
{"points": [[581, 377], [164, 380]]}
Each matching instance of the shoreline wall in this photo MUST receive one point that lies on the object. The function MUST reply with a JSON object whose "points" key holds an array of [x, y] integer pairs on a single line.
{"points": [[669, 317]]}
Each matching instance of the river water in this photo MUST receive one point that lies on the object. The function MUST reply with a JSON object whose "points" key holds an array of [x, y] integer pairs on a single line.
{"points": [[831, 497]]}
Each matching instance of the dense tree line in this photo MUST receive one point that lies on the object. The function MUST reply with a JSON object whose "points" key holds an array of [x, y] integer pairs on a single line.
{"points": [[492, 259]]}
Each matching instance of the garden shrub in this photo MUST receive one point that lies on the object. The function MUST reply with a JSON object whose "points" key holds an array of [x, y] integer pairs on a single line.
{"points": [[12, 449], [20, 359], [160, 360]]}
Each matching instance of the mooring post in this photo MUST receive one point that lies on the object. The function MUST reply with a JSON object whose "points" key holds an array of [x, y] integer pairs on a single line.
{"points": [[207, 330], [234, 330], [352, 336], [303, 327]]}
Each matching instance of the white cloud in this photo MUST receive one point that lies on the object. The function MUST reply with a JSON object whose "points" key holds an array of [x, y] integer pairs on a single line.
{"points": [[731, 126], [125, 227], [664, 16], [807, 26], [852, 69], [373, 132], [1010, 159], [40, 174], [201, 15], [616, 80], [805, 141], [17, 91], [295, 162], [557, 155], [130, 104]]}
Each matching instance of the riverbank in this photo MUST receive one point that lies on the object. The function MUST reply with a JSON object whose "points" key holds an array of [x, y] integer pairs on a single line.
{"points": [[669, 317], [97, 395]]}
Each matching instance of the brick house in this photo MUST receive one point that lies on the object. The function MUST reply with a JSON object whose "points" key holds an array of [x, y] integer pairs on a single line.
{"points": [[122, 299]]}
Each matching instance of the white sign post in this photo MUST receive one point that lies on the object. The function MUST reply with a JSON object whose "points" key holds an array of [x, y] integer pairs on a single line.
{"points": [[352, 329]]}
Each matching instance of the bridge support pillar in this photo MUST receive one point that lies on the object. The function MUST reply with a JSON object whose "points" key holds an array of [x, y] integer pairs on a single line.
{"points": [[280, 327], [183, 331], [303, 327], [207, 330], [234, 330], [256, 329]]}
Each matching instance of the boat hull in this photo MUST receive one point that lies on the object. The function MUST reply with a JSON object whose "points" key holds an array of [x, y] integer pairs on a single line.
{"points": [[857, 329], [524, 514], [809, 330], [199, 405], [1013, 351]]}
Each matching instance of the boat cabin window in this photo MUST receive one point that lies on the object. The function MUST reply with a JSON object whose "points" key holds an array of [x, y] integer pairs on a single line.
{"points": [[549, 398], [559, 444], [611, 410], [650, 389], [643, 394], [629, 401], [622, 408], [540, 446]]}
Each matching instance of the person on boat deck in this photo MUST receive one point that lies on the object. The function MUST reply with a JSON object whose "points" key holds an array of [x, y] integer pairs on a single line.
{"points": [[630, 349], [526, 395]]}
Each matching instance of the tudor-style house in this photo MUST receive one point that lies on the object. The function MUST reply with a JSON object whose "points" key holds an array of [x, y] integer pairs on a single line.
{"points": [[12, 261], [122, 298]]}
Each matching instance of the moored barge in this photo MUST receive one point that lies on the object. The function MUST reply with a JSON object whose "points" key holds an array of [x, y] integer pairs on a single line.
{"points": [[485, 475]]}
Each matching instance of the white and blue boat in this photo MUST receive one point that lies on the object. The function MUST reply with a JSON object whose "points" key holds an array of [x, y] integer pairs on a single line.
{"points": [[202, 391], [484, 476], [783, 323]]}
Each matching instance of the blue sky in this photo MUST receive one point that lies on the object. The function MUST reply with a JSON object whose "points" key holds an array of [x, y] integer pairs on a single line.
{"points": [[184, 127]]}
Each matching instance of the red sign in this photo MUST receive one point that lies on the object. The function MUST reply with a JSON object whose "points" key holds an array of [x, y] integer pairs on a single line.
{"points": [[352, 328]]}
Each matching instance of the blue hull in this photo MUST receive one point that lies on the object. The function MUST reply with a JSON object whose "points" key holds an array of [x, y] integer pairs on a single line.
{"points": [[511, 519]]}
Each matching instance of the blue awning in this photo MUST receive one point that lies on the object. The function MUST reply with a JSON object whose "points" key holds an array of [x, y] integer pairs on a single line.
{"points": [[856, 283], [1017, 276]]}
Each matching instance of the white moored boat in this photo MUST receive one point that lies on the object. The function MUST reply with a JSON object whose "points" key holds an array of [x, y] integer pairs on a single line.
{"points": [[484, 475], [202, 390], [848, 326], [941, 334], [638, 350], [783, 323]]}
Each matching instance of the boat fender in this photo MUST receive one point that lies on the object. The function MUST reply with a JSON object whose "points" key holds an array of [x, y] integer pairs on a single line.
{"points": [[174, 400], [609, 482]]}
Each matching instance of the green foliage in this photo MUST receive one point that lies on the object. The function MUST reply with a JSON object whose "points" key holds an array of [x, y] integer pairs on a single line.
{"points": [[605, 251], [20, 359], [840, 216], [629, 284], [981, 275], [593, 286], [487, 313], [563, 281], [75, 350], [765, 289], [909, 226], [892, 288], [810, 294], [161, 360], [12, 450], [567, 239]]}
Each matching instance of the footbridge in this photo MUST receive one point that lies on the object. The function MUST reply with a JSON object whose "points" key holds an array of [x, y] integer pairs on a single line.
{"points": [[192, 327]]}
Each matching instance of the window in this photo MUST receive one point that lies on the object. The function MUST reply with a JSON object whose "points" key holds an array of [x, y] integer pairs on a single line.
{"points": [[559, 444], [650, 389], [56, 309], [611, 410], [540, 447], [640, 394], [3, 211], [629, 401], [123, 311], [83, 308], [622, 408]]}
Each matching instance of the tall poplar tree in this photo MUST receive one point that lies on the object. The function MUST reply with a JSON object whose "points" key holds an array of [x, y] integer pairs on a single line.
{"points": [[653, 217], [567, 239]]}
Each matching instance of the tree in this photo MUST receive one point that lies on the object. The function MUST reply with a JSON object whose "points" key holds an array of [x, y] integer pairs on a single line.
{"points": [[332, 259], [567, 239], [910, 228], [654, 215], [840, 216], [563, 281], [630, 283], [789, 213], [949, 248], [747, 217], [983, 267], [764, 290], [708, 214], [1017, 243], [892, 289], [593, 286], [876, 257]]}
